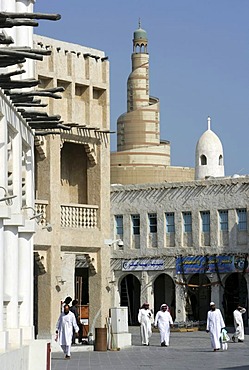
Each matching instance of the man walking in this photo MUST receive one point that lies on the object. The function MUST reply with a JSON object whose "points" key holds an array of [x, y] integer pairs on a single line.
{"points": [[215, 323], [238, 324], [164, 321], [64, 330], [145, 319]]}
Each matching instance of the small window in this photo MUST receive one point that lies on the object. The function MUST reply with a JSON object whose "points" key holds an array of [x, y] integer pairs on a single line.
{"points": [[203, 160], [153, 222], [242, 219], [223, 220], [135, 224], [170, 222], [220, 160], [119, 224], [205, 218], [187, 222]]}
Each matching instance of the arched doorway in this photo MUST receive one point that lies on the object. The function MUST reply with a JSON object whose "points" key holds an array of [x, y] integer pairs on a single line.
{"points": [[235, 293], [130, 289], [164, 292], [199, 295]]}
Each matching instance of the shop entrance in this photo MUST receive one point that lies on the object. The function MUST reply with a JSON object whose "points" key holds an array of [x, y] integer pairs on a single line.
{"points": [[164, 292], [235, 293], [130, 290], [199, 297]]}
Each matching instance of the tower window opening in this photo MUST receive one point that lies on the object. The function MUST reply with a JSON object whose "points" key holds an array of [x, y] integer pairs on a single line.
{"points": [[220, 160], [203, 159]]}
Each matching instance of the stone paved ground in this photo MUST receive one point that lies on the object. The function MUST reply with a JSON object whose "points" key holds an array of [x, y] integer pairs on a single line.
{"points": [[187, 351]]}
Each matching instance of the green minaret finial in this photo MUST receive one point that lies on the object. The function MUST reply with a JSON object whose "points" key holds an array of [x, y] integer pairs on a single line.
{"points": [[139, 22]]}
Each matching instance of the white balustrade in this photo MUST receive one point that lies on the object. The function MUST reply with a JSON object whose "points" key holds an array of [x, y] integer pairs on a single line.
{"points": [[79, 216], [41, 207]]}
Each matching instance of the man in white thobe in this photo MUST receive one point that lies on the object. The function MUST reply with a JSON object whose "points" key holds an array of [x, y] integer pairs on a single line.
{"points": [[164, 321], [145, 319], [64, 330], [215, 323], [238, 324]]}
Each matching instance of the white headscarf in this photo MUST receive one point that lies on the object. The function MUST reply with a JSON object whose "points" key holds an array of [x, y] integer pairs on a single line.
{"points": [[163, 305]]}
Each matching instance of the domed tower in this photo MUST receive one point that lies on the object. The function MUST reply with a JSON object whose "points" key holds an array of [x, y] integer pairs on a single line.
{"points": [[209, 159]]}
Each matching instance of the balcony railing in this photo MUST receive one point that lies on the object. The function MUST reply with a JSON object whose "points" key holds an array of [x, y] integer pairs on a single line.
{"points": [[72, 215], [79, 216], [41, 207]]}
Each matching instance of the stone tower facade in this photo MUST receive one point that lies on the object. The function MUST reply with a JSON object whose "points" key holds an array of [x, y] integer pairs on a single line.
{"points": [[142, 157]]}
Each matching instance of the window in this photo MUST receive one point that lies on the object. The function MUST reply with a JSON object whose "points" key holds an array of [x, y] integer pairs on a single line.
{"points": [[223, 220], [187, 222], [153, 222], [220, 160], [170, 222], [203, 160], [119, 224], [136, 224], [242, 219], [205, 217]]}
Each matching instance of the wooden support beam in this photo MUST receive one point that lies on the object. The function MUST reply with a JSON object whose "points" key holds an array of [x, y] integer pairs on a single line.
{"points": [[47, 125], [19, 104], [9, 23], [6, 76], [22, 96], [6, 61], [42, 121], [44, 133], [18, 84], [49, 17], [19, 54], [30, 50]]}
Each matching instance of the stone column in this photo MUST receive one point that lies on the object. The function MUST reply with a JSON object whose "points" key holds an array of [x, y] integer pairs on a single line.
{"points": [[99, 295], [24, 35], [25, 278], [3, 339], [11, 283], [115, 299], [215, 296], [68, 275], [144, 287], [180, 303]]}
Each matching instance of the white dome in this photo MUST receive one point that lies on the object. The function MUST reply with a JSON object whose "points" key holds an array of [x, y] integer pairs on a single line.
{"points": [[209, 158]]}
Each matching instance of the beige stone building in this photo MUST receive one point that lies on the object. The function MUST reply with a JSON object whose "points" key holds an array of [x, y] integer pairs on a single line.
{"points": [[73, 186], [185, 244], [142, 157]]}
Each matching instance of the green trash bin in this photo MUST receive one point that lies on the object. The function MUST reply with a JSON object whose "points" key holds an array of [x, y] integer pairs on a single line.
{"points": [[100, 339]]}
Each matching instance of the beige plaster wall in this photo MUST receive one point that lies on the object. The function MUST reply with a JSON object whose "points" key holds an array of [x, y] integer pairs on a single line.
{"points": [[74, 169]]}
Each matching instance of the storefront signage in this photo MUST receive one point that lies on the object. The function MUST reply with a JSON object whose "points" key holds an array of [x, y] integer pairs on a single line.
{"points": [[211, 264], [145, 264]]}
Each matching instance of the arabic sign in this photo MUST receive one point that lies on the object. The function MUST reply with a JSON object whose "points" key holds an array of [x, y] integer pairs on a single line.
{"points": [[210, 264], [145, 264]]}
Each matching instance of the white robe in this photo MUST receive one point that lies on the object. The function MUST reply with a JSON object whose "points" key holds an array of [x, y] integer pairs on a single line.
{"points": [[65, 325], [238, 323], [215, 323], [145, 319], [163, 320]]}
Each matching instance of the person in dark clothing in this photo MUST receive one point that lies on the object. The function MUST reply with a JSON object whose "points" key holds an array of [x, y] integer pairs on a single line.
{"points": [[74, 310]]}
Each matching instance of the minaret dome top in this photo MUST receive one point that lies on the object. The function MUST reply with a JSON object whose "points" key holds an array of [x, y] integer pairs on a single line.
{"points": [[140, 39]]}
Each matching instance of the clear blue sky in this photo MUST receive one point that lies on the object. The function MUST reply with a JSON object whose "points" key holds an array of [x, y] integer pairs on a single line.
{"points": [[199, 64]]}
